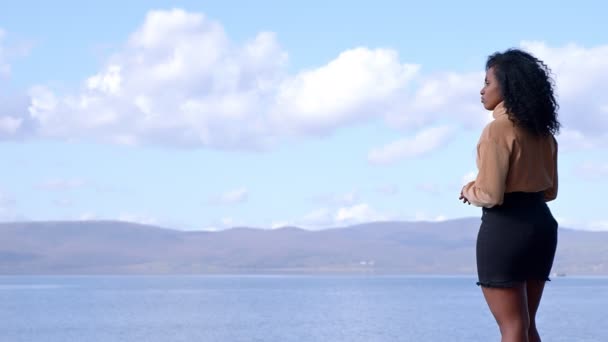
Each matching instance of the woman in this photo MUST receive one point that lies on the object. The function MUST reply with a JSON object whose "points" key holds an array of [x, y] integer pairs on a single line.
{"points": [[517, 174]]}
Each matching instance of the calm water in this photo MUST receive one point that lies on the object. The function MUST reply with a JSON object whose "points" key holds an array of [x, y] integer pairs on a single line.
{"points": [[281, 308]]}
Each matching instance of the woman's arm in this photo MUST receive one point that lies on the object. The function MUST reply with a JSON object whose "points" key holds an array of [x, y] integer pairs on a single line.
{"points": [[551, 193], [487, 190]]}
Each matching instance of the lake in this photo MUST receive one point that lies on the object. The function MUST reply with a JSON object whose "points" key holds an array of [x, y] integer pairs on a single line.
{"points": [[281, 308]]}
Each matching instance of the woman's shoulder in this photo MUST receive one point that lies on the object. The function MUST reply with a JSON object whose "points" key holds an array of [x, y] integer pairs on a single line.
{"points": [[499, 129]]}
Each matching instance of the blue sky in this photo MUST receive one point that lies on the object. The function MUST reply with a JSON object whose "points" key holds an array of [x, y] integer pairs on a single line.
{"points": [[208, 115]]}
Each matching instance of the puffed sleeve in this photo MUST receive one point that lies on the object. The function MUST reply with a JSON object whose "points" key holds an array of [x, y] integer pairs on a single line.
{"points": [[488, 189]]}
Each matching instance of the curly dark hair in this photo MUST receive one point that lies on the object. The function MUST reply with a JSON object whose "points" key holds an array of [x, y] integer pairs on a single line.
{"points": [[527, 89]]}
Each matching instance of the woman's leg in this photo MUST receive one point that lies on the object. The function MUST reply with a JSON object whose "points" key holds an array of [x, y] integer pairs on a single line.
{"points": [[510, 309], [534, 291]]}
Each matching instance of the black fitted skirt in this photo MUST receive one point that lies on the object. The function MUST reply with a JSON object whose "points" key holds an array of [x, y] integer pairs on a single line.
{"points": [[516, 241]]}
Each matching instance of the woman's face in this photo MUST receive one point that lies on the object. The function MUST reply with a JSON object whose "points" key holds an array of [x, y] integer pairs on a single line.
{"points": [[490, 93]]}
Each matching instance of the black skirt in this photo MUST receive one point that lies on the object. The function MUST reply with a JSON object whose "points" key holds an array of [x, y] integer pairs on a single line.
{"points": [[516, 241]]}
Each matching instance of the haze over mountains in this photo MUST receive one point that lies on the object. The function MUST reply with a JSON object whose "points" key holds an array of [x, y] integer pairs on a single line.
{"points": [[111, 247]]}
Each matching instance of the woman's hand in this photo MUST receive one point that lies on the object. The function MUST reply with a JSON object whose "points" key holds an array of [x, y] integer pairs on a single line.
{"points": [[464, 199]]}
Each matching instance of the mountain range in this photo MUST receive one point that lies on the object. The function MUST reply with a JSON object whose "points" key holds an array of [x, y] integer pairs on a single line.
{"points": [[113, 247]]}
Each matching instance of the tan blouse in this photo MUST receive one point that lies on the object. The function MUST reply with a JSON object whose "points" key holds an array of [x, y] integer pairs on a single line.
{"points": [[510, 159]]}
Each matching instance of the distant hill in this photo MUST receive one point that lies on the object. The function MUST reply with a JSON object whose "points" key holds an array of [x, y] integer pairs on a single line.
{"points": [[108, 247]]}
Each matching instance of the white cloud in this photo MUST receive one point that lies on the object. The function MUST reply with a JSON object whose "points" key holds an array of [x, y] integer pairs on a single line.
{"points": [[316, 219], [354, 86], [279, 224], [223, 224], [322, 218], [442, 96], [108, 83], [137, 218], [124, 217], [227, 221], [179, 80], [231, 197], [61, 184], [422, 143], [593, 170], [88, 216], [211, 228], [358, 213], [353, 214], [423, 216], [581, 76]]}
